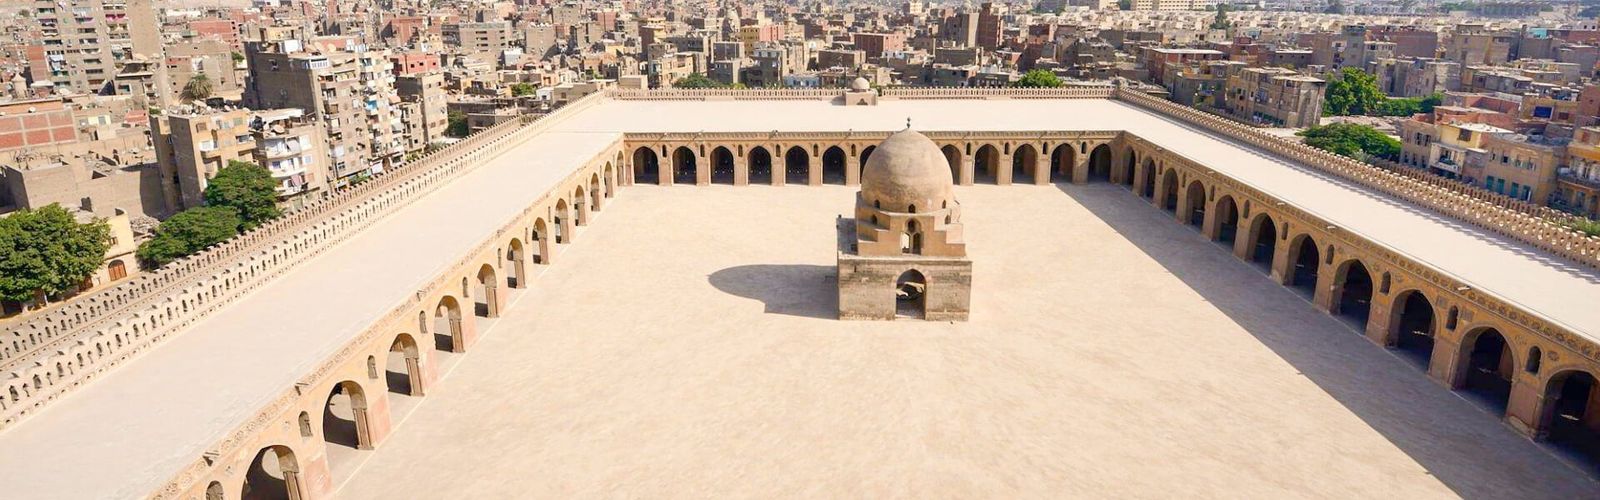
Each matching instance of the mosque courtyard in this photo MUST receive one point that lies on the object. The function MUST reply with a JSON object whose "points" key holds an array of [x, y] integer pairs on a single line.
{"points": [[685, 345]]}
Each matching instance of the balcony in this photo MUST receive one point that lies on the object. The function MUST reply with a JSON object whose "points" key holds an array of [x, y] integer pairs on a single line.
{"points": [[282, 149], [284, 169], [1447, 165], [1566, 175]]}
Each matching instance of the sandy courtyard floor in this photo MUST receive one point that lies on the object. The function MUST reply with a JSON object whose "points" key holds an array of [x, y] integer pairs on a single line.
{"points": [[684, 347]]}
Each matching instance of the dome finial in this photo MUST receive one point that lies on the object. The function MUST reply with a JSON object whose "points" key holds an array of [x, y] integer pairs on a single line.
{"points": [[908, 123]]}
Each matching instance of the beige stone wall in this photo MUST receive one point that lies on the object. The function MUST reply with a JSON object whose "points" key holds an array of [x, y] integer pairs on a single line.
{"points": [[867, 287]]}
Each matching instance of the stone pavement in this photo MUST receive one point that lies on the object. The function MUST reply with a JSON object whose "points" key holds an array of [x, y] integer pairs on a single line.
{"points": [[685, 347]]}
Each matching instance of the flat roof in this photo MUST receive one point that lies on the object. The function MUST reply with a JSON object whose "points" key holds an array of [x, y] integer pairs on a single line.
{"points": [[182, 396]]}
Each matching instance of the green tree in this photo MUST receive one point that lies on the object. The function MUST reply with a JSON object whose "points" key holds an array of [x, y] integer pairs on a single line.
{"points": [[1334, 7], [1125, 4], [1220, 21], [238, 58], [457, 125], [696, 81], [47, 251], [188, 232], [1038, 78], [1585, 226], [1353, 140], [1352, 92], [198, 88], [521, 89], [248, 189]]}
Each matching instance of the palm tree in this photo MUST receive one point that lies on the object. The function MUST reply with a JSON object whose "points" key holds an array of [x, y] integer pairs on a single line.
{"points": [[198, 88]]}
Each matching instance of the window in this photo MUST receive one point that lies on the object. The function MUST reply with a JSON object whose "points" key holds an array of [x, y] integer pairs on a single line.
{"points": [[1464, 135]]}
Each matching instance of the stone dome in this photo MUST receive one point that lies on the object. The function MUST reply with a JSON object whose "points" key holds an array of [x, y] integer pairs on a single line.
{"points": [[906, 170], [860, 85]]}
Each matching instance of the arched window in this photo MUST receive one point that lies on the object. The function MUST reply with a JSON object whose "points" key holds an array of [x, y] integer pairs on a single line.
{"points": [[912, 242], [1383, 287], [1450, 319], [1534, 355], [372, 367], [305, 424]]}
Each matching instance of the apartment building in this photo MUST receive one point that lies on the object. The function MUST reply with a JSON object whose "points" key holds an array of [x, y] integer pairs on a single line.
{"points": [[339, 80], [289, 144], [191, 146], [426, 90], [1415, 77], [86, 40], [1577, 185], [1521, 166], [1457, 150], [1274, 96], [479, 37]]}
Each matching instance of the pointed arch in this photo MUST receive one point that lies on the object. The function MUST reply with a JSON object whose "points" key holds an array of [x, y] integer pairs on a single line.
{"points": [[540, 236], [952, 155], [1263, 240], [1352, 293], [1169, 190], [646, 165], [685, 169], [986, 165], [610, 180], [1226, 214], [1194, 209], [834, 164], [515, 264], [580, 202], [1414, 327], [1307, 259], [722, 166], [911, 298], [486, 293], [563, 222], [1025, 164], [345, 419], [1487, 366], [1570, 416], [760, 165], [273, 473], [796, 166], [449, 329], [1062, 160], [403, 366]]}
